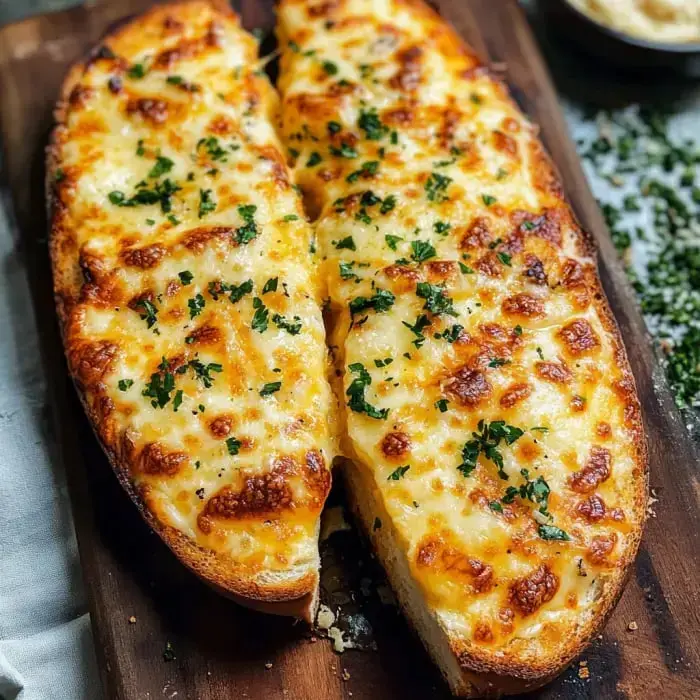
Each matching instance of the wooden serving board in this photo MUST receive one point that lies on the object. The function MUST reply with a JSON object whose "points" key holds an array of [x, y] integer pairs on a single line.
{"points": [[225, 652]]}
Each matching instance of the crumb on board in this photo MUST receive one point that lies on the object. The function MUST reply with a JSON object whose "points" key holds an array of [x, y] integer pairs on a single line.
{"points": [[345, 675], [268, 665], [132, 620], [583, 671], [633, 626]]}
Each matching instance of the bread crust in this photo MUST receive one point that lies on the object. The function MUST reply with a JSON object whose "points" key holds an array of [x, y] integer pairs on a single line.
{"points": [[291, 593]]}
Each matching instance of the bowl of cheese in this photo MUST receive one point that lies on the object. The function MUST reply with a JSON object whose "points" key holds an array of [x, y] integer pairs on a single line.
{"points": [[640, 34]]}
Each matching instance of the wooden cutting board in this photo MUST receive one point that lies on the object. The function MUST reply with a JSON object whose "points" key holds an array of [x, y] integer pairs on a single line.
{"points": [[225, 652]]}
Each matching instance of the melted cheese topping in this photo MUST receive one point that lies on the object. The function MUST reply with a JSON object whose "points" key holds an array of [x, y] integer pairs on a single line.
{"points": [[487, 393], [188, 293]]}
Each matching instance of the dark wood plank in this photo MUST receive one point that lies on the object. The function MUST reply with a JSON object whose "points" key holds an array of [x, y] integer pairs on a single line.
{"points": [[222, 649]]}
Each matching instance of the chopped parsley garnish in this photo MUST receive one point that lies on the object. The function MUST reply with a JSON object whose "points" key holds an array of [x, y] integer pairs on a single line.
{"points": [[292, 327], [518, 330], [488, 199], [398, 473], [465, 269], [233, 445], [196, 305], [368, 169], [334, 127], [417, 328], [260, 317], [314, 159], [150, 312], [345, 269], [391, 241], [498, 362], [140, 150], [125, 384], [504, 258], [495, 506], [487, 441], [345, 151], [270, 388], [346, 242], [551, 532], [163, 165], [371, 124], [436, 299], [356, 393], [270, 285], [186, 277], [452, 334], [422, 251], [388, 204], [207, 203], [383, 363], [441, 227], [441, 405], [290, 217], [246, 233], [202, 371], [435, 187], [136, 71], [329, 67], [177, 400], [213, 148], [381, 300], [160, 385], [537, 491], [160, 194]]}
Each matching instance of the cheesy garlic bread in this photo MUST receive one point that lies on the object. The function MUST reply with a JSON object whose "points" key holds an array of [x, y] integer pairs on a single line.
{"points": [[189, 302], [498, 460]]}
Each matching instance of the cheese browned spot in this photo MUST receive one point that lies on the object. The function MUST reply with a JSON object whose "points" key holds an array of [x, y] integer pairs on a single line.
{"points": [[174, 211], [450, 250]]}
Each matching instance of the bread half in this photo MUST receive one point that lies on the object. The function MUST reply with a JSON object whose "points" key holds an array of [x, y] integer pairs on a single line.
{"points": [[189, 300], [496, 452]]}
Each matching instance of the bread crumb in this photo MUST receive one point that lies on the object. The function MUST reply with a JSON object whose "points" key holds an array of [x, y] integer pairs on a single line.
{"points": [[345, 675], [325, 617], [132, 620], [583, 672], [633, 626], [268, 665]]}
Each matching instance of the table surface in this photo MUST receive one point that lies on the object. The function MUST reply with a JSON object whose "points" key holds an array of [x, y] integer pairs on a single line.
{"points": [[45, 640]]}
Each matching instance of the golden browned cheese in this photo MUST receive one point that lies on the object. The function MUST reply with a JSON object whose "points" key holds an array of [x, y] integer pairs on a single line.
{"points": [[489, 403], [189, 298]]}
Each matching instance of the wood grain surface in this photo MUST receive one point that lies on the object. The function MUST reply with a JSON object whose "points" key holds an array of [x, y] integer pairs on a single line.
{"points": [[225, 652]]}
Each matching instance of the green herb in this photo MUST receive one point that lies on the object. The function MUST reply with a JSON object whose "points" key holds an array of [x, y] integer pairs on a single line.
{"points": [[59, 175], [383, 363], [346, 272], [504, 258], [260, 317], [136, 71], [237, 292], [207, 204], [452, 334], [465, 269], [388, 204], [398, 473], [498, 362], [270, 285], [150, 312], [329, 67], [125, 384], [441, 227], [496, 506], [368, 169], [371, 124], [417, 328], [233, 445], [246, 233], [356, 393], [186, 277], [487, 442], [160, 194], [518, 330], [347, 243], [177, 400], [334, 127], [435, 187], [290, 217], [292, 327], [314, 159], [436, 299], [213, 148], [345, 151], [160, 385], [270, 388], [381, 300], [441, 405], [196, 305], [140, 150], [488, 199], [422, 251], [391, 241], [203, 372], [163, 165], [550, 532]]}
